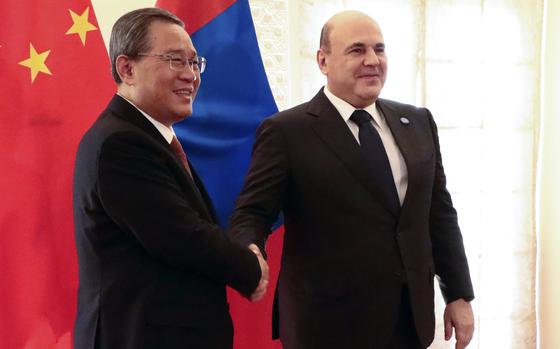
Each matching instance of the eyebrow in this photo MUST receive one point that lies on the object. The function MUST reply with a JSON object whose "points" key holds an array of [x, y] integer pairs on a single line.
{"points": [[170, 52], [361, 45]]}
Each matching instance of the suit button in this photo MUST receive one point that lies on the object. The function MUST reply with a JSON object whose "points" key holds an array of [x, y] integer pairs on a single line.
{"points": [[398, 274]]}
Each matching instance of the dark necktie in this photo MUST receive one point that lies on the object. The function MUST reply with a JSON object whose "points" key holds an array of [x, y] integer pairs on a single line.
{"points": [[178, 149], [377, 161]]}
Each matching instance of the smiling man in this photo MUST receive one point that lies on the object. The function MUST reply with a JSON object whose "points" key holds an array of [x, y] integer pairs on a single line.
{"points": [[368, 218], [153, 264]]}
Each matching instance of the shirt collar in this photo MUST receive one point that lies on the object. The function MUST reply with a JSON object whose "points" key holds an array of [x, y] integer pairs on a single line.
{"points": [[346, 109], [167, 132]]}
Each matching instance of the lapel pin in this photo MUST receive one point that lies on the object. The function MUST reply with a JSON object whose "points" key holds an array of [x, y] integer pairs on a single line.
{"points": [[405, 121]]}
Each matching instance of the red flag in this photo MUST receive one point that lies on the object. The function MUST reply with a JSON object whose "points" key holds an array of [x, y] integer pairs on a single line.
{"points": [[55, 81]]}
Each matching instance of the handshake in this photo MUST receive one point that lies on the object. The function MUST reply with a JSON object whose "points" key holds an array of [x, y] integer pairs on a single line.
{"points": [[260, 291]]}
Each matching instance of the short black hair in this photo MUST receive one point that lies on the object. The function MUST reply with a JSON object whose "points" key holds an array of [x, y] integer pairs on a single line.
{"points": [[130, 34]]}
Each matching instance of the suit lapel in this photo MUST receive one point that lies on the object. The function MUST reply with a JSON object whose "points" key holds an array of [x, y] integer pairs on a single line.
{"points": [[331, 128], [204, 196], [128, 112], [401, 132], [411, 141]]}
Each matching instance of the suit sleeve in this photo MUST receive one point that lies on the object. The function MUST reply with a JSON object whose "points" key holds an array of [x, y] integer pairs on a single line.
{"points": [[139, 192], [451, 264], [265, 187]]}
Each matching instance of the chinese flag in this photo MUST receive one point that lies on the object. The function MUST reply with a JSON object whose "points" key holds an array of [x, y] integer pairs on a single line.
{"points": [[55, 80]]}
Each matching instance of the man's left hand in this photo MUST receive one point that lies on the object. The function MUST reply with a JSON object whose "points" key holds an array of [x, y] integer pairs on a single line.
{"points": [[459, 315]]}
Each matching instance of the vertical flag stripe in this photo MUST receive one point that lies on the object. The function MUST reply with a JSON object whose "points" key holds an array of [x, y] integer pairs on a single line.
{"points": [[232, 101], [196, 14]]}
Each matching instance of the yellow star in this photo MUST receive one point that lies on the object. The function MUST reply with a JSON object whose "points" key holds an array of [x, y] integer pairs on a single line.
{"points": [[81, 25], [36, 62]]}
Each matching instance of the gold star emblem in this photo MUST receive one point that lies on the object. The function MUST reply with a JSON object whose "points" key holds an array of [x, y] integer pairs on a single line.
{"points": [[81, 25], [36, 62]]}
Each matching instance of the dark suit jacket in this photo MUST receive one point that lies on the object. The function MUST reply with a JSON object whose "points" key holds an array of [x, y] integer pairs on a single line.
{"points": [[346, 253], [153, 264]]}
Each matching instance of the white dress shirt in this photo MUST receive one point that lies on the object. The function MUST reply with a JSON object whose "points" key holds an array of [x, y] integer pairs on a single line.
{"points": [[166, 132], [396, 160]]}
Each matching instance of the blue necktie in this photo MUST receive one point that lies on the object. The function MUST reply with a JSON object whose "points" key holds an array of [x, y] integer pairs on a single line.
{"points": [[376, 157]]}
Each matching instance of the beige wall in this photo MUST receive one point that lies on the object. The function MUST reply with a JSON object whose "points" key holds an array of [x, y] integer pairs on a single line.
{"points": [[549, 189]]}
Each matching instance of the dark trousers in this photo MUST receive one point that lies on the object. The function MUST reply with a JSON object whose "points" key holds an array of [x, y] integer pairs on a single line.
{"points": [[405, 336]]}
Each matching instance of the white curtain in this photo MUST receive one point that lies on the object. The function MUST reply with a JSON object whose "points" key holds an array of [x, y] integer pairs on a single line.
{"points": [[476, 65], [549, 190]]}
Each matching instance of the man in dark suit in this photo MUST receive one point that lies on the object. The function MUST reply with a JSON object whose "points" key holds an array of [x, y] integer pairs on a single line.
{"points": [[153, 264], [368, 218]]}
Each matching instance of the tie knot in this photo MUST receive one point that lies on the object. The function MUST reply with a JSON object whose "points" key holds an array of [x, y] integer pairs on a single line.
{"points": [[360, 117], [176, 146]]}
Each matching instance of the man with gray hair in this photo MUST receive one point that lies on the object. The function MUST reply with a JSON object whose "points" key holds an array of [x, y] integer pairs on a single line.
{"points": [[368, 219], [153, 264]]}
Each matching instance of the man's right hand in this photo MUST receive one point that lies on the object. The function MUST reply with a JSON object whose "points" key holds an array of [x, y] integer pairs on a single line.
{"points": [[260, 291]]}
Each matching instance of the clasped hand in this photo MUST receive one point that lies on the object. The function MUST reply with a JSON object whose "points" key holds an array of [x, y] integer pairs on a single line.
{"points": [[260, 291]]}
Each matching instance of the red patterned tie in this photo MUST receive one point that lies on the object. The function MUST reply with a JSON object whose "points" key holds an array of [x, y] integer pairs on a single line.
{"points": [[178, 149]]}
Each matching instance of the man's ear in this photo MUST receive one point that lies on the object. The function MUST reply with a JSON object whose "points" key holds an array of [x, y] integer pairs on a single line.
{"points": [[125, 69], [322, 61]]}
